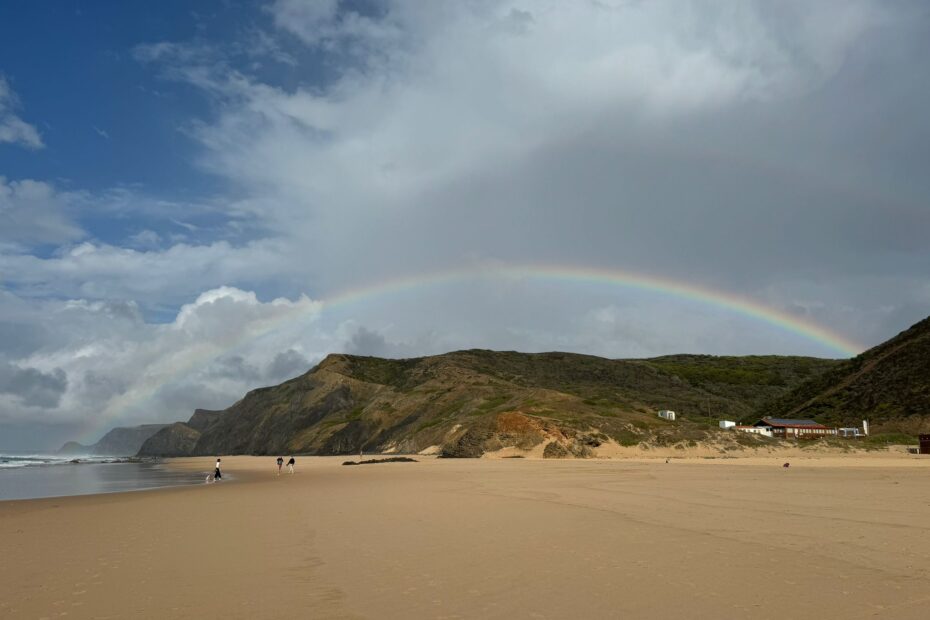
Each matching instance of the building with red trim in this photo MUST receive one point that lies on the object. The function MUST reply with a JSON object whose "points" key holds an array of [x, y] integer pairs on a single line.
{"points": [[797, 429]]}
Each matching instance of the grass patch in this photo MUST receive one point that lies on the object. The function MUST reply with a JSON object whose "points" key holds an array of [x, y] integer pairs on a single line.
{"points": [[886, 439], [494, 402], [429, 424], [626, 438]]}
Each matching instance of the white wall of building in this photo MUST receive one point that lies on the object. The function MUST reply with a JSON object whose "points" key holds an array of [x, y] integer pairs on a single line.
{"points": [[754, 430]]}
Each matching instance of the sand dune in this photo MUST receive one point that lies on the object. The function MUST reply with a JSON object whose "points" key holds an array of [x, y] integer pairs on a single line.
{"points": [[838, 537]]}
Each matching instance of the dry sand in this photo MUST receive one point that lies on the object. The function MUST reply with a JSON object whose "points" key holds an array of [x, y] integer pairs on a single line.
{"points": [[840, 537]]}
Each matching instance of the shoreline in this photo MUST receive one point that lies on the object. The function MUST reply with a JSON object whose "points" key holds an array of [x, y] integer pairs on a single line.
{"points": [[64, 480], [897, 457]]}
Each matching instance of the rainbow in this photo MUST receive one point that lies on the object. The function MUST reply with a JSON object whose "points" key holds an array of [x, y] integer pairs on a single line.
{"points": [[586, 275], [729, 302]]}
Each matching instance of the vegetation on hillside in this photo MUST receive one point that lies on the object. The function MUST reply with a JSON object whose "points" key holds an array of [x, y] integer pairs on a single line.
{"points": [[468, 402], [888, 385]]}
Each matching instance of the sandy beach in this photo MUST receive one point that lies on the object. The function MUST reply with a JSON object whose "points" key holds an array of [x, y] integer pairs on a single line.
{"points": [[834, 537]]}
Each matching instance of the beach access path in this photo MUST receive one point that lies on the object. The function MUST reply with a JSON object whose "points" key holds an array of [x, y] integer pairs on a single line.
{"points": [[839, 537]]}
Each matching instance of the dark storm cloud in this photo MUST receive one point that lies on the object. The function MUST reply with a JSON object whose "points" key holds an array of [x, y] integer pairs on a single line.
{"points": [[234, 367], [33, 387], [286, 365], [367, 342]]}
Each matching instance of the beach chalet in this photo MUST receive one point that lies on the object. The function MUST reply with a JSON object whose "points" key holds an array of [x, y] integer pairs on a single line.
{"points": [[665, 414], [798, 429], [754, 430]]}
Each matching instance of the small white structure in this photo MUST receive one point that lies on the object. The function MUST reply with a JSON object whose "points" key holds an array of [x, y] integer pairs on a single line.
{"points": [[755, 430], [854, 432], [665, 414], [727, 424]]}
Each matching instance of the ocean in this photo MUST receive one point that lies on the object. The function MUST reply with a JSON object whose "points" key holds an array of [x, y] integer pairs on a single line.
{"points": [[29, 476]]}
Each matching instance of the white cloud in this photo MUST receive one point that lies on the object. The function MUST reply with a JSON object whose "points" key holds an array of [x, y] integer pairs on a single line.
{"points": [[145, 239], [328, 24], [103, 359], [14, 129], [309, 20], [101, 271], [34, 212]]}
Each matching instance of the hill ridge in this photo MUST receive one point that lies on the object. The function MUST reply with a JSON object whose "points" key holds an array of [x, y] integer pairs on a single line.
{"points": [[888, 384], [469, 401]]}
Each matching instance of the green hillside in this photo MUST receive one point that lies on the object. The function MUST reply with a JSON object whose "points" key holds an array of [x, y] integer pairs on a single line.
{"points": [[467, 402], [888, 385]]}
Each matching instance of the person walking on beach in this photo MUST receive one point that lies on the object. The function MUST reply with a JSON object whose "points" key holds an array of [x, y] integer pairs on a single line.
{"points": [[290, 465], [217, 474], [280, 463]]}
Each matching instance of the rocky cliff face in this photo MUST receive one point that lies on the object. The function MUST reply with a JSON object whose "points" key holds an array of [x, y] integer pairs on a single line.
{"points": [[468, 402], [179, 439], [120, 441], [73, 448], [126, 441], [203, 419]]}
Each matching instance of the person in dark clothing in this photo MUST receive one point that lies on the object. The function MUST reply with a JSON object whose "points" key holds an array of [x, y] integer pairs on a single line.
{"points": [[280, 464], [217, 474], [290, 465]]}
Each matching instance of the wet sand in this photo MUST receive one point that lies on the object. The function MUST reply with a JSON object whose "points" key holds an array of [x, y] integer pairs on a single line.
{"points": [[510, 538], [64, 479]]}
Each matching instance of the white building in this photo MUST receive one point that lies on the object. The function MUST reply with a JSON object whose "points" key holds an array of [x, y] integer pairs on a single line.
{"points": [[665, 414], [854, 432], [755, 430], [727, 424]]}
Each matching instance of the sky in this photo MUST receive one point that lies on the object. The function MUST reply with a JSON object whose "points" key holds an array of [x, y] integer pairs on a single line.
{"points": [[198, 199]]}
